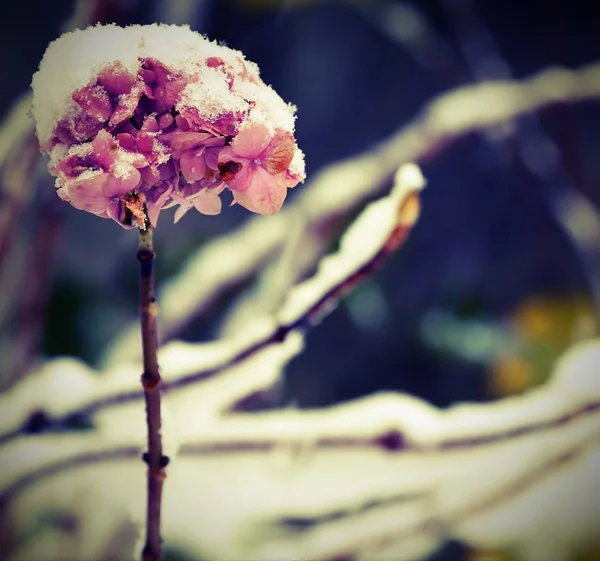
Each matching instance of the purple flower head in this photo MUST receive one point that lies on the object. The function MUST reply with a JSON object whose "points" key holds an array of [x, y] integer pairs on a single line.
{"points": [[144, 118]]}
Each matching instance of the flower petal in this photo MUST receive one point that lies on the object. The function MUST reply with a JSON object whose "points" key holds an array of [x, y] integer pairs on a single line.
{"points": [[251, 141], [182, 141], [95, 102], [116, 79], [264, 194], [193, 165], [279, 153], [208, 202], [87, 192]]}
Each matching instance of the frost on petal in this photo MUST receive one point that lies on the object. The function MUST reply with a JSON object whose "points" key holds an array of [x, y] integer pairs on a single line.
{"points": [[116, 80], [126, 106], [77, 126], [103, 147], [95, 102], [127, 111], [87, 192], [126, 180], [264, 194], [295, 173]]}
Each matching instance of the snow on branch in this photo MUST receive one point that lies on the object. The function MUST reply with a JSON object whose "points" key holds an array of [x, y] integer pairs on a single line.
{"points": [[65, 393], [342, 187], [68, 417], [385, 477]]}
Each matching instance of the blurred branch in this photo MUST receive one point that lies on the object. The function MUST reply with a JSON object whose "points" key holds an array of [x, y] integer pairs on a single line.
{"points": [[68, 464], [18, 154], [414, 475], [30, 302]]}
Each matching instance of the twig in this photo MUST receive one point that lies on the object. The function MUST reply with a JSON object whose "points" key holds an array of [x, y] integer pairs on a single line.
{"points": [[296, 428], [151, 383]]}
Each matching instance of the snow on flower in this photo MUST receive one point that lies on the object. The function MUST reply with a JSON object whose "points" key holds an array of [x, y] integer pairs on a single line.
{"points": [[143, 118]]}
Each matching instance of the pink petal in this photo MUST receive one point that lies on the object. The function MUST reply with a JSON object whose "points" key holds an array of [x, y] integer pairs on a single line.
{"points": [[251, 141], [165, 120], [126, 106], [87, 194], [95, 102], [126, 141], [182, 123], [264, 194], [211, 157], [147, 75], [185, 205], [144, 142], [124, 178], [160, 71], [173, 89], [116, 80], [77, 127], [150, 124], [207, 202], [193, 166], [179, 213], [104, 148], [150, 175], [181, 141], [116, 211], [154, 207], [167, 170], [279, 153]]}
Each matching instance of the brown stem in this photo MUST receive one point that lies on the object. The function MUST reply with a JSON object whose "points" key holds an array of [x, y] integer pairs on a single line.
{"points": [[151, 383]]}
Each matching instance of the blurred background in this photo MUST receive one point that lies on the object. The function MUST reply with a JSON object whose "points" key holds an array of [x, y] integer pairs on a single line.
{"points": [[499, 276]]}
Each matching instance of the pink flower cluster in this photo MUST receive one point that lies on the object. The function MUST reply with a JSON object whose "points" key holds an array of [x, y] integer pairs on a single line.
{"points": [[143, 134]]}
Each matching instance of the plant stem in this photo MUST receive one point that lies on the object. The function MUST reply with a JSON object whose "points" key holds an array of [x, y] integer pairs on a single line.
{"points": [[151, 383]]}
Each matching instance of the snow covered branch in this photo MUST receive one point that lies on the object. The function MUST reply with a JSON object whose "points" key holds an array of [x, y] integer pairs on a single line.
{"points": [[39, 404], [518, 473]]}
